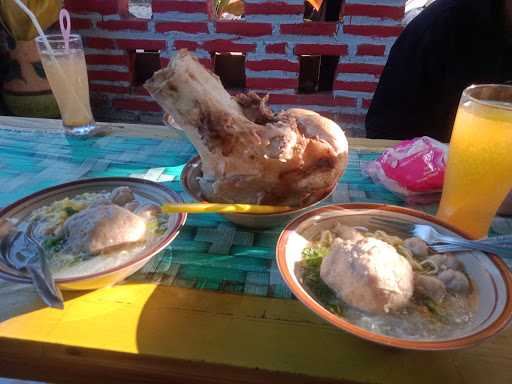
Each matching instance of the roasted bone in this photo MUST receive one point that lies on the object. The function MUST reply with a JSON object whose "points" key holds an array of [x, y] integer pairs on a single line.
{"points": [[250, 154]]}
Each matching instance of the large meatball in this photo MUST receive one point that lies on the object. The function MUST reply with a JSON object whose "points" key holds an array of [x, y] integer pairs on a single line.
{"points": [[368, 274], [100, 228]]}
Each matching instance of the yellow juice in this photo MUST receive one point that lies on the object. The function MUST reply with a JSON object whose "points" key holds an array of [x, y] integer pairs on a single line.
{"points": [[479, 170], [70, 86]]}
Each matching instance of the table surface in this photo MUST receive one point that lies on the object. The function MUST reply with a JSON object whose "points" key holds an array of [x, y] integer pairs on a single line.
{"points": [[182, 326]]}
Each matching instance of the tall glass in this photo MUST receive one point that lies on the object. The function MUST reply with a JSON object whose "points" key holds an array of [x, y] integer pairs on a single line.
{"points": [[67, 74], [479, 170]]}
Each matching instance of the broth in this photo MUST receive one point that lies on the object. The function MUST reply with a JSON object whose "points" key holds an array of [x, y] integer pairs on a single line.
{"points": [[65, 264], [420, 319]]}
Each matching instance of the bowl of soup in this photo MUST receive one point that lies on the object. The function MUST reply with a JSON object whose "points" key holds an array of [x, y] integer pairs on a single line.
{"points": [[95, 232], [388, 287]]}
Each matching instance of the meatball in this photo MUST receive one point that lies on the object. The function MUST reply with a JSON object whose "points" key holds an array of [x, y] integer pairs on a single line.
{"points": [[132, 206], [368, 274], [121, 196], [455, 281], [417, 246], [444, 261], [347, 233], [429, 286], [99, 228]]}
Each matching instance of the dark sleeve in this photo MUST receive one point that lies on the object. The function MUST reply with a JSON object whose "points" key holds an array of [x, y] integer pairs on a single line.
{"points": [[408, 92]]}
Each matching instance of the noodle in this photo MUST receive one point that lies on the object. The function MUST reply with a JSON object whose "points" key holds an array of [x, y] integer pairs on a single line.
{"points": [[381, 235], [423, 318], [326, 238], [434, 268], [410, 258]]}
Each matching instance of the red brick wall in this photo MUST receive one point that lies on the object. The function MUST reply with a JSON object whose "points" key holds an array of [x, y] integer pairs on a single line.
{"points": [[272, 35]]}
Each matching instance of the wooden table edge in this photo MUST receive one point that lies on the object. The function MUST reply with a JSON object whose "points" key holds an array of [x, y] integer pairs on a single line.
{"points": [[29, 360], [156, 131]]}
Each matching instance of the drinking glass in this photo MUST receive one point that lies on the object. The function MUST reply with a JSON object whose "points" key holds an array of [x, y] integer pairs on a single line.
{"points": [[66, 72], [479, 170]]}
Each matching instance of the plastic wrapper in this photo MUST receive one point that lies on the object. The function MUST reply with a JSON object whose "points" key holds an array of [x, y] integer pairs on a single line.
{"points": [[412, 169]]}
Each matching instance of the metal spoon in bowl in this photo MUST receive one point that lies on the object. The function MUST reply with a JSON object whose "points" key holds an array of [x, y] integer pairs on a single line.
{"points": [[30, 259], [438, 242]]}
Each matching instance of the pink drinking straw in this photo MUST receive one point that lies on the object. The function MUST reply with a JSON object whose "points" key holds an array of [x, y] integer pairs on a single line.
{"points": [[65, 30]]}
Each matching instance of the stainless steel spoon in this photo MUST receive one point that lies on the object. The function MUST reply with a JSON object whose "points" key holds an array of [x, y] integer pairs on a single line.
{"points": [[30, 259]]}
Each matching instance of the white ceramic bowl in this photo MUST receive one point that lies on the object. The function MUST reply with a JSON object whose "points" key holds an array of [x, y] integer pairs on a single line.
{"points": [[189, 180], [488, 273], [144, 190]]}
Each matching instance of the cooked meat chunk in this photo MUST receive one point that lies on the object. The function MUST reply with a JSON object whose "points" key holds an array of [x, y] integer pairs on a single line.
{"points": [[132, 206], [102, 227], [444, 261], [417, 246], [368, 274], [248, 153], [121, 196], [148, 211], [455, 281], [429, 286], [347, 233]]}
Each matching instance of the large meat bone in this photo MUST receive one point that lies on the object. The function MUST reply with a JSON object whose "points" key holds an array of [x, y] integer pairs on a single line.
{"points": [[248, 153]]}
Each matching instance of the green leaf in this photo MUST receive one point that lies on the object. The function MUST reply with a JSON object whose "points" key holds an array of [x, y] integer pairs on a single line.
{"points": [[53, 243], [39, 70], [69, 211]]}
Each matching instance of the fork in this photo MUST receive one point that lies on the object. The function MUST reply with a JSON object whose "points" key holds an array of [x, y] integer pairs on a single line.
{"points": [[501, 245], [498, 246]]}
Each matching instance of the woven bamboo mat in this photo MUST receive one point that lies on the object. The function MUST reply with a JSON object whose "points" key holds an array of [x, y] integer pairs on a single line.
{"points": [[210, 253]]}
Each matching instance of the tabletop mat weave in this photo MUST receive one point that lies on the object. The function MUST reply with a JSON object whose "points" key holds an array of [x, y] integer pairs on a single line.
{"points": [[210, 253]]}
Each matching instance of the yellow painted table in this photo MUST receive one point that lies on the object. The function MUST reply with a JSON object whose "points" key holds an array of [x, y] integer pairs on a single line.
{"points": [[143, 332]]}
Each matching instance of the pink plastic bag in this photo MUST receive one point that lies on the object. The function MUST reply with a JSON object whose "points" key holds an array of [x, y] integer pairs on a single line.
{"points": [[413, 169]]}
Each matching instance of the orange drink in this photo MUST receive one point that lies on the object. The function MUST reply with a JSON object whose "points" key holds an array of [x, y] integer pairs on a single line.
{"points": [[479, 170], [66, 71], [74, 113]]}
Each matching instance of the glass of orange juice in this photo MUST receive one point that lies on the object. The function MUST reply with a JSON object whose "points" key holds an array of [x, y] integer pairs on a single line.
{"points": [[66, 72], [479, 171]]}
